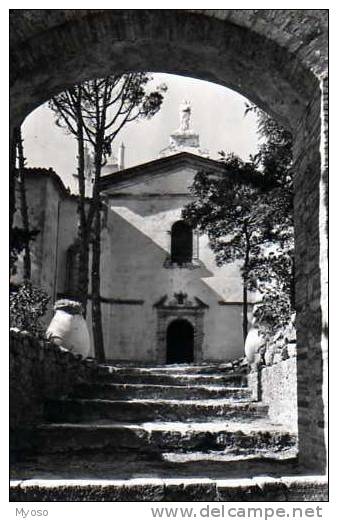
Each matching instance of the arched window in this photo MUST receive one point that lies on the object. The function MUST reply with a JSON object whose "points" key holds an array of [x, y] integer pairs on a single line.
{"points": [[181, 243]]}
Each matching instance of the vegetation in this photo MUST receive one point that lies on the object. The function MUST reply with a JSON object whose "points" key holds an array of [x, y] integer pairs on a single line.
{"points": [[28, 305], [248, 216]]}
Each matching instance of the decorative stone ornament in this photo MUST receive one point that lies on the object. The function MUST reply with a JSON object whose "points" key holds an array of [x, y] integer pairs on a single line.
{"points": [[68, 327]]}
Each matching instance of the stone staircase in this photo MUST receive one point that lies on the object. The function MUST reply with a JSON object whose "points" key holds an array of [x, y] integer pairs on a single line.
{"points": [[136, 430]]}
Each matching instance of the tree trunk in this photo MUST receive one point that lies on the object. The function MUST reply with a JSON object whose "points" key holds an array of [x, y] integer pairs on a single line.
{"points": [[23, 206], [83, 279], [245, 309], [96, 297], [96, 244], [83, 232], [293, 284], [12, 183], [245, 282]]}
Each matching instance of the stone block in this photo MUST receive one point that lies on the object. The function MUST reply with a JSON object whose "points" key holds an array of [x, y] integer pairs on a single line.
{"points": [[201, 489], [308, 488]]}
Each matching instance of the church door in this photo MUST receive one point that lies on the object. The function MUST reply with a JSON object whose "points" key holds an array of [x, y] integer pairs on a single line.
{"points": [[180, 342]]}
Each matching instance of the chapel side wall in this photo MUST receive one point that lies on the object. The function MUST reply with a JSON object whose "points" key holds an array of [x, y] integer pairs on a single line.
{"points": [[67, 236], [55, 216], [43, 201], [35, 195]]}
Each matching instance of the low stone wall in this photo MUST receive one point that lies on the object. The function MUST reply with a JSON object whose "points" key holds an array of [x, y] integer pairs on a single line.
{"points": [[274, 382], [260, 488], [279, 391], [39, 370]]}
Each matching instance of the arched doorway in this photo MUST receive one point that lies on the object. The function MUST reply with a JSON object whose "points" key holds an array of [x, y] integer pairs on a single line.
{"points": [[180, 342]]}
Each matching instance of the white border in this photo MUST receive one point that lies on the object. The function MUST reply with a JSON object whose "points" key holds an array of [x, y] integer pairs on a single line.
{"points": [[140, 511]]}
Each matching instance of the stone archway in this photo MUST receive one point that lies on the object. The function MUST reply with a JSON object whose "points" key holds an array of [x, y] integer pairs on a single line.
{"points": [[276, 58]]}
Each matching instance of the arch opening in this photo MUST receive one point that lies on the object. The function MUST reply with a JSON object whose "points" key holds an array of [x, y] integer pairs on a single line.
{"points": [[180, 342]]}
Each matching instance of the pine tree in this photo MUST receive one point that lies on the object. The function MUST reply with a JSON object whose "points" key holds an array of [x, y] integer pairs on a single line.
{"points": [[94, 112]]}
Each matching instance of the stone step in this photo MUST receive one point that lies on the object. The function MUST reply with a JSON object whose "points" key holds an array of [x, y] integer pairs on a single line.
{"points": [[158, 378], [130, 464], [151, 391], [262, 488], [74, 410], [216, 458], [217, 368], [158, 437]]}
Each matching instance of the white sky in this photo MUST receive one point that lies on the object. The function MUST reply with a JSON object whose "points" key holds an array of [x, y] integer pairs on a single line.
{"points": [[217, 115]]}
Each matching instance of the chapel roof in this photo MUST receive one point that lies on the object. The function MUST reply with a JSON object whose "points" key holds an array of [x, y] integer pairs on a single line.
{"points": [[159, 167]]}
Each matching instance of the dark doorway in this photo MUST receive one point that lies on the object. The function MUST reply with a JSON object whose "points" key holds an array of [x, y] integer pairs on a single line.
{"points": [[180, 342]]}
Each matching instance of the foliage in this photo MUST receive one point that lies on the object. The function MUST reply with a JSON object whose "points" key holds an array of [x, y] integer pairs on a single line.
{"points": [[274, 276], [18, 242], [275, 271], [28, 304], [104, 106], [274, 157], [224, 208], [247, 213]]}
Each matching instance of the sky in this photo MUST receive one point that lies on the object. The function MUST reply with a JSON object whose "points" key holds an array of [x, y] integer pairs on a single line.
{"points": [[217, 116]]}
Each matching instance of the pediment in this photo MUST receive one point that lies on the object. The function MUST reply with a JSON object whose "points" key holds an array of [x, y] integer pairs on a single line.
{"points": [[154, 176]]}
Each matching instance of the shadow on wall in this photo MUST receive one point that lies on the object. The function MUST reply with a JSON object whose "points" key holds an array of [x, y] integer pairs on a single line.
{"points": [[135, 249]]}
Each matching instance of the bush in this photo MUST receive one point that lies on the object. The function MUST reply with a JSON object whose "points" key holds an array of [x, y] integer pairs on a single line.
{"points": [[18, 242], [273, 313], [27, 305]]}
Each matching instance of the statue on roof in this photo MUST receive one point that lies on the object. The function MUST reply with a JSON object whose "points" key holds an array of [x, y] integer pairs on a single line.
{"points": [[184, 139], [185, 115]]}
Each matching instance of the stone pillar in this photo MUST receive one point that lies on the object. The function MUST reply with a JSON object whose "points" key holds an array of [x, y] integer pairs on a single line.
{"points": [[254, 383], [311, 278]]}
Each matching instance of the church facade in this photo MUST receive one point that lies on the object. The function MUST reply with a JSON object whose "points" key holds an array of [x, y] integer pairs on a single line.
{"points": [[163, 298]]}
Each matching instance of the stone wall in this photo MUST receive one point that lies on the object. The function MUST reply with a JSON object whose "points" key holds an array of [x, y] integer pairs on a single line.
{"points": [[310, 203], [275, 383], [39, 370], [51, 212], [265, 54], [279, 391]]}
